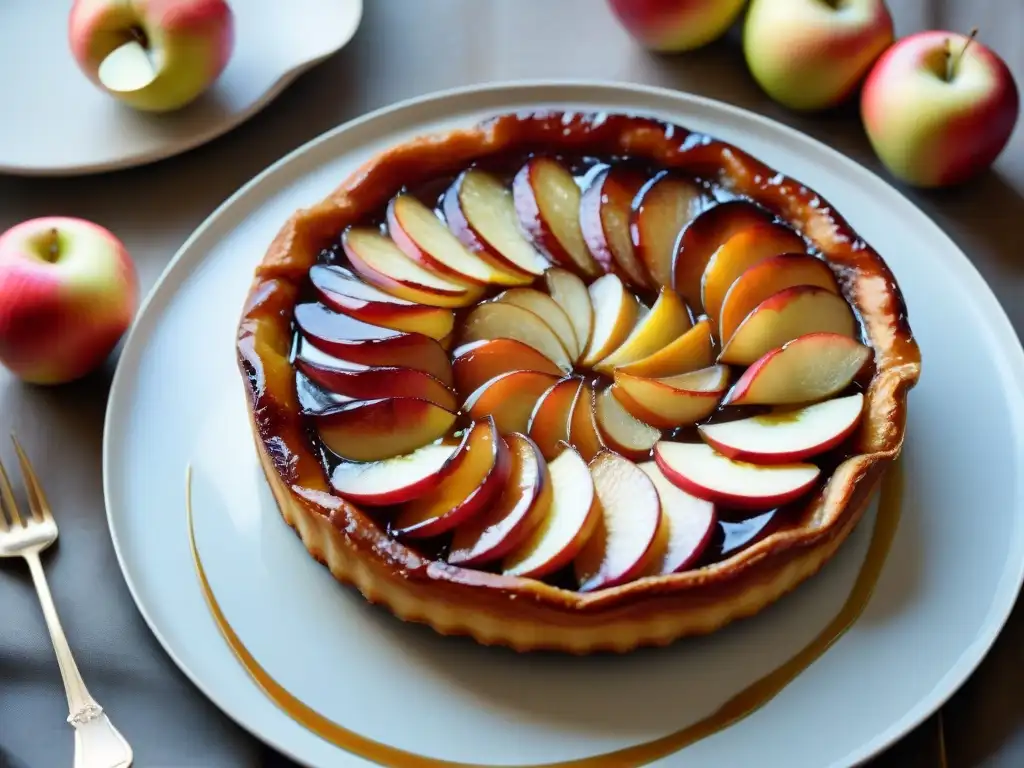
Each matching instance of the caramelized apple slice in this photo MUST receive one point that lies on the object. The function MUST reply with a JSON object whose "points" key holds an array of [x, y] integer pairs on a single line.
{"points": [[766, 278], [571, 519], [667, 321], [365, 383], [615, 313], [672, 401], [706, 235], [583, 431], [510, 398], [498, 320], [462, 493], [547, 200], [606, 209], [547, 310], [622, 542], [478, 362], [549, 422], [620, 430], [785, 316], [807, 369], [481, 213], [395, 479], [663, 208], [570, 293], [523, 504], [345, 293], [690, 352], [356, 342], [687, 525], [371, 430]]}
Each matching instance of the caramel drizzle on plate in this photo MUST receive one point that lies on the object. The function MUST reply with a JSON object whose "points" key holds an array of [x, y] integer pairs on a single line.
{"points": [[744, 703]]}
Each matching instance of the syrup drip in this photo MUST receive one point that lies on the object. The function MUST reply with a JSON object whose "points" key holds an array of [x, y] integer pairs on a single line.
{"points": [[745, 703]]}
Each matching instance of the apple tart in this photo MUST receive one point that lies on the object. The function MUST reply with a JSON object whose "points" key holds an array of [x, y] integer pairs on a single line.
{"points": [[577, 382]]}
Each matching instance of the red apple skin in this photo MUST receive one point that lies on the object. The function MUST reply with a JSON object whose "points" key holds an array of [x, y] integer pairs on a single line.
{"points": [[791, 457], [676, 25], [930, 132], [60, 321]]}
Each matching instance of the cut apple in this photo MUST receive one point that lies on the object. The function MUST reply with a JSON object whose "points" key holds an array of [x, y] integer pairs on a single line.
{"points": [[606, 210], [523, 504], [663, 208], [462, 493], [806, 370], [570, 293], [375, 383], [380, 262], [548, 310], [703, 472], [667, 321], [478, 362], [687, 525], [481, 213], [571, 519], [498, 320], [128, 68], [510, 398], [784, 316], [766, 278], [549, 422], [395, 479], [620, 430], [672, 401], [371, 430], [737, 254], [357, 342], [692, 351], [615, 314], [583, 431], [622, 542], [547, 200], [786, 435]]}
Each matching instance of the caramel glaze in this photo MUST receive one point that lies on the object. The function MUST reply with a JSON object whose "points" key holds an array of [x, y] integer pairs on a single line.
{"points": [[743, 704]]}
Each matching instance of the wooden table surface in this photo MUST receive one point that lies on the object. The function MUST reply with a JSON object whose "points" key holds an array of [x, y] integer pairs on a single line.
{"points": [[406, 48]]}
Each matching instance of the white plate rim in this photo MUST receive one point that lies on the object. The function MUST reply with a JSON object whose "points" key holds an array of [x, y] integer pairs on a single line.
{"points": [[1011, 581]]}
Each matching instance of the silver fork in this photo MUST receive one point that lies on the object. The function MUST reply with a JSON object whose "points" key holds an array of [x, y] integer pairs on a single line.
{"points": [[97, 742]]}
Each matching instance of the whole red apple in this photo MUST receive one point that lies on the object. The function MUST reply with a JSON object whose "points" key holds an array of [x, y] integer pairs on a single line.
{"points": [[671, 26], [68, 293], [939, 107]]}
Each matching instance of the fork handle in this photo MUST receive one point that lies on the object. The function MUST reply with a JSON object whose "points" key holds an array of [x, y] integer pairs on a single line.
{"points": [[97, 742]]}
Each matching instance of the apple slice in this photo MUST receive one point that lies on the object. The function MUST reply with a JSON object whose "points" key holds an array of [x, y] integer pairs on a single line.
{"points": [[766, 278], [570, 293], [690, 352], [583, 431], [345, 293], [357, 342], [704, 236], [380, 262], [498, 320], [424, 238], [737, 254], [663, 208], [807, 369], [547, 310], [481, 213], [623, 539], [371, 430], [784, 316], [510, 398], [688, 525], [606, 209], [549, 422], [703, 472], [570, 521], [478, 362], [786, 435], [547, 200], [365, 383], [523, 504], [672, 401], [615, 314], [620, 430], [395, 479], [462, 493], [667, 321]]}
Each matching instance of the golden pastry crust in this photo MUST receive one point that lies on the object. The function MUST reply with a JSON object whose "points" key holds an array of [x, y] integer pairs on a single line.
{"points": [[526, 614]]}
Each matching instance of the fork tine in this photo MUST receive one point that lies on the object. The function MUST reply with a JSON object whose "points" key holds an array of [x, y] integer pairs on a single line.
{"points": [[7, 501], [36, 498]]}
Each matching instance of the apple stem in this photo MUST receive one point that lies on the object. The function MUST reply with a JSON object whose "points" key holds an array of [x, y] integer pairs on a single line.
{"points": [[139, 36], [53, 249], [953, 62]]}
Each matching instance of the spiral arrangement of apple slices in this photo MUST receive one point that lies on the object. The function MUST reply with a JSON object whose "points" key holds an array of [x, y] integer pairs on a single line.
{"points": [[489, 372]]}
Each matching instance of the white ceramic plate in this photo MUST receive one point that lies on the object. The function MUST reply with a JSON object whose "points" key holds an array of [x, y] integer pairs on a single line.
{"points": [[58, 123], [948, 585]]}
